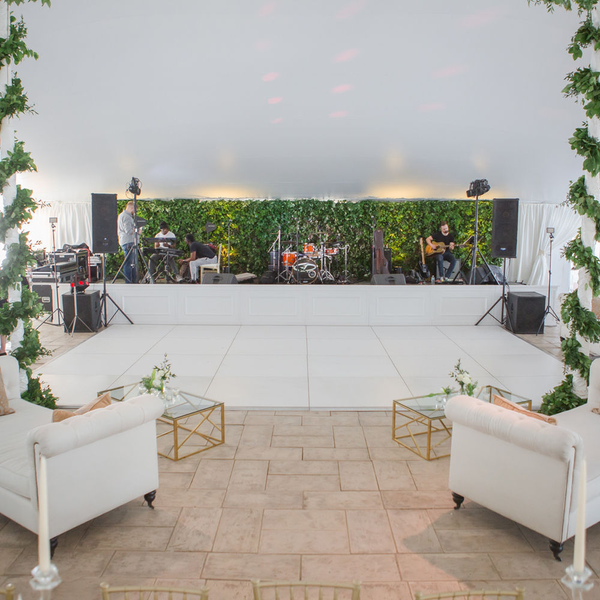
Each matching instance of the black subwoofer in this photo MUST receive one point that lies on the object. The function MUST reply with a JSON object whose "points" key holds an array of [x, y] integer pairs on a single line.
{"points": [[88, 311], [104, 224], [526, 311]]}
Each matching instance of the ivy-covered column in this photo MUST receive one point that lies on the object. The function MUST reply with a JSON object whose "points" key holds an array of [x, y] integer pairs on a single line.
{"points": [[7, 142], [18, 205], [583, 196]]}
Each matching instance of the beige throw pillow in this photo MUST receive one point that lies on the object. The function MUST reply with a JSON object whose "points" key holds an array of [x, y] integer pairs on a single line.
{"points": [[504, 403], [100, 402], [5, 409]]}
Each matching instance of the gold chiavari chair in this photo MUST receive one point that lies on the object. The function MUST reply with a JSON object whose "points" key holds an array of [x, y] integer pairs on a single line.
{"points": [[8, 593], [472, 594], [151, 593], [303, 590]]}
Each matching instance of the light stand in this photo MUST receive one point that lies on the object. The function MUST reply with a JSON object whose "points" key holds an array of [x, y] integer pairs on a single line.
{"points": [[135, 188], [479, 187], [57, 310], [549, 310]]}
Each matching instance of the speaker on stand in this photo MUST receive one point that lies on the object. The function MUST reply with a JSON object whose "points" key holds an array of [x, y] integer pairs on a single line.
{"points": [[505, 224], [105, 239]]}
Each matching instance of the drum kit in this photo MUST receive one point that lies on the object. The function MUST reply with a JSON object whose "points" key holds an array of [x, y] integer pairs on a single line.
{"points": [[309, 262]]}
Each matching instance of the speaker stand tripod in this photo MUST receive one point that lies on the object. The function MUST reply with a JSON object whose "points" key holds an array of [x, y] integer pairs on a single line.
{"points": [[76, 317], [503, 299], [477, 251], [57, 311], [106, 297], [549, 310]]}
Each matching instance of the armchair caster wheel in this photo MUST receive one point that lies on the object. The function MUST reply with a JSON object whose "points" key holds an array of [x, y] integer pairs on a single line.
{"points": [[556, 548], [53, 544], [458, 500], [149, 498]]}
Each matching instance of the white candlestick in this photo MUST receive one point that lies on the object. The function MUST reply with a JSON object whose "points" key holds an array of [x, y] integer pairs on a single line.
{"points": [[579, 557], [43, 530]]}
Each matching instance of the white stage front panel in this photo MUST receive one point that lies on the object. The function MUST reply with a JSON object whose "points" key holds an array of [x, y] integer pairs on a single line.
{"points": [[356, 305]]}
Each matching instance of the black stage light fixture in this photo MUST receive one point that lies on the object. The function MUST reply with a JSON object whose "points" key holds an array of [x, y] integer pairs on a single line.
{"points": [[478, 188], [135, 186], [79, 286]]}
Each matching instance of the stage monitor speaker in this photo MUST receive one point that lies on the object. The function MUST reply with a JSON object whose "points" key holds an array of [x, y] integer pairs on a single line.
{"points": [[227, 278], [46, 293], [526, 310], [104, 224], [394, 279], [485, 277], [88, 311], [505, 221]]}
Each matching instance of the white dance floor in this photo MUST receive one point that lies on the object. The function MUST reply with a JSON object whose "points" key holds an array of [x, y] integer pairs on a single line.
{"points": [[302, 367]]}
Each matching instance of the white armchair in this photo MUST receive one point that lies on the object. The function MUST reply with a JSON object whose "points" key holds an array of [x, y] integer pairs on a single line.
{"points": [[96, 461], [525, 469]]}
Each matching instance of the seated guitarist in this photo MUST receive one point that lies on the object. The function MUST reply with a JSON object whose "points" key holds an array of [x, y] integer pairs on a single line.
{"points": [[444, 240]]}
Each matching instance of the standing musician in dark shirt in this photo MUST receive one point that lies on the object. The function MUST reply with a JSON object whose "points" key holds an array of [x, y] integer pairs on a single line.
{"points": [[445, 239], [200, 254]]}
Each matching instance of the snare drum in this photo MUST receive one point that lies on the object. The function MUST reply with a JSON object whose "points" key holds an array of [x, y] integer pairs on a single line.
{"points": [[332, 251], [289, 258], [310, 249]]}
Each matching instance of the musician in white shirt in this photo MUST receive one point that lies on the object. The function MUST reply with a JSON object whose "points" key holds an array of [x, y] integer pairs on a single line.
{"points": [[169, 242]]}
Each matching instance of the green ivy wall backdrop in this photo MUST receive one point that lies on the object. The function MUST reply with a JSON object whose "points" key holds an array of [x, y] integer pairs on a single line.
{"points": [[22, 305], [583, 197], [254, 226]]}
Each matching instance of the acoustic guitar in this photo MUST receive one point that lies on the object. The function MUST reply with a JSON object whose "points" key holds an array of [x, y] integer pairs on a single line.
{"points": [[423, 268], [440, 248]]}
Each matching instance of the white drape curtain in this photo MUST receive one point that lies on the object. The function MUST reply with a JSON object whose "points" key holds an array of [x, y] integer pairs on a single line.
{"points": [[74, 225], [533, 242]]}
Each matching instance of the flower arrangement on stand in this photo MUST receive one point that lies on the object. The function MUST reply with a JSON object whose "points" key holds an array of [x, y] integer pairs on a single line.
{"points": [[465, 382]]}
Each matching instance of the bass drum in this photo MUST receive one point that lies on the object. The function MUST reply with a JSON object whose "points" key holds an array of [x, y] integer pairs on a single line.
{"points": [[305, 270]]}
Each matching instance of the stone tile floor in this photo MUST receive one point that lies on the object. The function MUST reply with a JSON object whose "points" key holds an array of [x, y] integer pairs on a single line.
{"points": [[299, 495]]}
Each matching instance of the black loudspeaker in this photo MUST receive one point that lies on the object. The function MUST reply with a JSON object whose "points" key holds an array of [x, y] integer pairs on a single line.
{"points": [[395, 279], [104, 224], [483, 276], [88, 311], [268, 277], [505, 222], [526, 311], [227, 278], [46, 293]]}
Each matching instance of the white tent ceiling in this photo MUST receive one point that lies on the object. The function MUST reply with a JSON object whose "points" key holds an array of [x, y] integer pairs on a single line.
{"points": [[290, 98]]}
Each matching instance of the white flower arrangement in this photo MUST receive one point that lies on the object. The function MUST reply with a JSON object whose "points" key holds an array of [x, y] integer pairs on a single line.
{"points": [[464, 380]]}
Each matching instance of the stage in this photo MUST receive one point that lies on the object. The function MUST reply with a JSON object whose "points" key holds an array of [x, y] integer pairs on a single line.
{"points": [[354, 305]]}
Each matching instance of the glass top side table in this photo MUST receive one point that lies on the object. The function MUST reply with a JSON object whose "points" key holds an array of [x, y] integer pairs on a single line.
{"points": [[420, 416], [182, 406]]}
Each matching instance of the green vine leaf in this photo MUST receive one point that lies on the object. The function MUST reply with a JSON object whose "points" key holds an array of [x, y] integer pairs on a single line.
{"points": [[14, 101], [585, 36], [584, 82], [588, 147], [575, 358], [561, 398], [19, 212], [13, 49], [580, 320], [14, 266], [17, 161], [583, 258], [584, 204], [582, 5]]}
